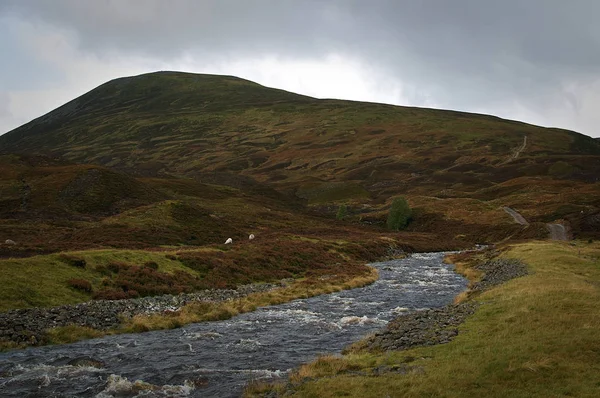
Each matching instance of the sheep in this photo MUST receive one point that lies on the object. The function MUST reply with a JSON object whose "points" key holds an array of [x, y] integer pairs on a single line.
{"points": [[251, 237], [228, 241], [10, 242]]}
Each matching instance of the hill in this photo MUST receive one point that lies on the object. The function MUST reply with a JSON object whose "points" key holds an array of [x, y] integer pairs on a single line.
{"points": [[457, 169], [139, 182]]}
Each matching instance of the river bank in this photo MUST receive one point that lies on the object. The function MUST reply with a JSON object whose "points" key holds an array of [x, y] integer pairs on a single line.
{"points": [[530, 336], [216, 359], [28, 326], [441, 325], [70, 323]]}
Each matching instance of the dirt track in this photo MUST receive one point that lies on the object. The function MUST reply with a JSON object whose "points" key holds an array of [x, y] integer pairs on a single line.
{"points": [[557, 232], [516, 216]]}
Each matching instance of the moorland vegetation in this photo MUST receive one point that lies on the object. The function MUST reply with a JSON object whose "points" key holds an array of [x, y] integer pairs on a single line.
{"points": [[132, 189]]}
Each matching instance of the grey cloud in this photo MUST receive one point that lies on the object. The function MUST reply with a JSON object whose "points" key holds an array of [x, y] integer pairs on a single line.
{"points": [[463, 53]]}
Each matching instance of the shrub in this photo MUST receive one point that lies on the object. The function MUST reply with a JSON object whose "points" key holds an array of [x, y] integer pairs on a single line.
{"points": [[110, 294], [80, 284], [72, 260], [116, 267], [129, 281], [342, 212], [151, 264], [399, 215]]}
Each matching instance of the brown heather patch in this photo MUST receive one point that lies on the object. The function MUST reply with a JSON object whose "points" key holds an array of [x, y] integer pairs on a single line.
{"points": [[80, 284], [129, 281]]}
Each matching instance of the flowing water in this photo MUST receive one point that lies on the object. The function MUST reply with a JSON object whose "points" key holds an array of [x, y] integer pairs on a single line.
{"points": [[216, 359]]}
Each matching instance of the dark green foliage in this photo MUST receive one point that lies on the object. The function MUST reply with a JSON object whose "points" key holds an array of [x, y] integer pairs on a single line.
{"points": [[72, 260], [342, 212], [399, 215]]}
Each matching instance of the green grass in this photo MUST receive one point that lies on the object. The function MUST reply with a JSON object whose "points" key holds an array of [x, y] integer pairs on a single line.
{"points": [[41, 281], [535, 336], [44, 281]]}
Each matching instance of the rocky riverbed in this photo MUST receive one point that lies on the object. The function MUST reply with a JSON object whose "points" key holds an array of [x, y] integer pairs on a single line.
{"points": [[216, 359], [440, 325], [27, 326]]}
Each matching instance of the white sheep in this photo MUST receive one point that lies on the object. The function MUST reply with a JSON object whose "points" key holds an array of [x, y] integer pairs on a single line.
{"points": [[229, 241], [251, 236], [10, 242]]}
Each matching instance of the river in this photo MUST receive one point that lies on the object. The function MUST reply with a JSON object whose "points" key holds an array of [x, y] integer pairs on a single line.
{"points": [[216, 359]]}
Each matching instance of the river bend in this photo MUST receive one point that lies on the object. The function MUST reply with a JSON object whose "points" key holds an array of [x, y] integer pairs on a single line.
{"points": [[216, 359]]}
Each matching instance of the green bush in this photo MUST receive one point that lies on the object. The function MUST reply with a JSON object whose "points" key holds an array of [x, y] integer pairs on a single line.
{"points": [[72, 260], [400, 214], [342, 212]]}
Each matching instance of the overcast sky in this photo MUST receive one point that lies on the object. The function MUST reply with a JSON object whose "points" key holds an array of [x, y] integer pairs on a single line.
{"points": [[532, 60]]}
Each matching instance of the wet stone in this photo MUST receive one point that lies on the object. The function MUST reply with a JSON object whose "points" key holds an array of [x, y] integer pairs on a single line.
{"points": [[440, 326], [224, 355], [86, 361], [106, 314]]}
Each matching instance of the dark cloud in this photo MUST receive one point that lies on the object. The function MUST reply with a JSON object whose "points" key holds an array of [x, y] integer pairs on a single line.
{"points": [[464, 54]]}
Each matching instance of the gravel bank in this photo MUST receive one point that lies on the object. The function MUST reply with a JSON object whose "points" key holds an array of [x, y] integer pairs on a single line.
{"points": [[427, 327], [28, 325], [439, 326]]}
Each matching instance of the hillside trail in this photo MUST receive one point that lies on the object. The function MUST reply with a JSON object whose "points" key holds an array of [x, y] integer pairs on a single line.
{"points": [[517, 151], [516, 216], [557, 231]]}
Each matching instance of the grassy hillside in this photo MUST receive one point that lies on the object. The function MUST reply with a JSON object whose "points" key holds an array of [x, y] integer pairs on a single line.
{"points": [[221, 130], [169, 161], [77, 276], [535, 336]]}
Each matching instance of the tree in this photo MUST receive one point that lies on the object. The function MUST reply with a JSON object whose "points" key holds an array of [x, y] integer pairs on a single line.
{"points": [[342, 212], [400, 214]]}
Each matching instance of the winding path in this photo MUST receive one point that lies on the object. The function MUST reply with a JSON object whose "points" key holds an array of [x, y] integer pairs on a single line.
{"points": [[557, 231], [517, 151], [516, 216]]}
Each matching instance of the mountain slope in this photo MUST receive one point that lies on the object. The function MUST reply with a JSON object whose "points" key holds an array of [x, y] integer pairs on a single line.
{"points": [[158, 118], [228, 131]]}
